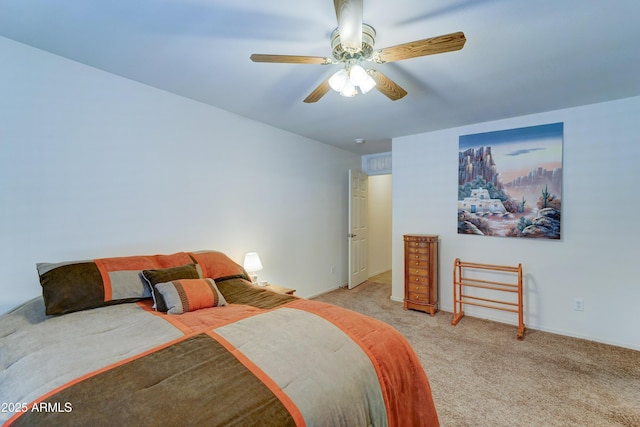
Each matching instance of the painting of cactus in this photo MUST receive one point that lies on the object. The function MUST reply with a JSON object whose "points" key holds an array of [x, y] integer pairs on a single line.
{"points": [[510, 182]]}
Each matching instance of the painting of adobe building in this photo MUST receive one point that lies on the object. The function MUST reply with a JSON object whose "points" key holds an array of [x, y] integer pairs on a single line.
{"points": [[510, 182]]}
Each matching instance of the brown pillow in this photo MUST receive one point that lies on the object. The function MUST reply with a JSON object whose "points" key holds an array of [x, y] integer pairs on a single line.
{"points": [[153, 277]]}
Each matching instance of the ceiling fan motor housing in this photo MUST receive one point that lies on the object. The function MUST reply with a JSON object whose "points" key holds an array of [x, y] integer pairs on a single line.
{"points": [[342, 54]]}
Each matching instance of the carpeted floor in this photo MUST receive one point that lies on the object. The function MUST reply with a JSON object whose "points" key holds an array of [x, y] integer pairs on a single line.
{"points": [[481, 375]]}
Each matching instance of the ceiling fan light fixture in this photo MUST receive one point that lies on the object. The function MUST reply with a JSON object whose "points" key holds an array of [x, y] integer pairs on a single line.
{"points": [[348, 80]]}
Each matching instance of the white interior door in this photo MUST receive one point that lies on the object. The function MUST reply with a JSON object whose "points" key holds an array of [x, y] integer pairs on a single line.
{"points": [[358, 227]]}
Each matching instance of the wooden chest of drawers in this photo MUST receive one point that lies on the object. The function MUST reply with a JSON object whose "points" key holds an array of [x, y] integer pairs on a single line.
{"points": [[421, 272]]}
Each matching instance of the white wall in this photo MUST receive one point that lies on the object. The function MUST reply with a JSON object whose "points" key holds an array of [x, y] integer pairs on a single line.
{"points": [[94, 165], [597, 257], [379, 215]]}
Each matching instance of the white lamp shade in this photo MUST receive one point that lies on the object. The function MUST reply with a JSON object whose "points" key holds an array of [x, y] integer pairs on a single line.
{"points": [[252, 262], [357, 75], [339, 80], [367, 85]]}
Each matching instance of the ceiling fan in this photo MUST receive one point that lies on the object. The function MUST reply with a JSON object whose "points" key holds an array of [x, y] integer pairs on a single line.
{"points": [[352, 44]]}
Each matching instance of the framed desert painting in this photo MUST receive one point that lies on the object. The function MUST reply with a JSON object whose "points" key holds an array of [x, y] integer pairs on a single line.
{"points": [[510, 182]]}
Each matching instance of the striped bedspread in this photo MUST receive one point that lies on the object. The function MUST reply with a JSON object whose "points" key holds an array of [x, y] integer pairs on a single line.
{"points": [[263, 360]]}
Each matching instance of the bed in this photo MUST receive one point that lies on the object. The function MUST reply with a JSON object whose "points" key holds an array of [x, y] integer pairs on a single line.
{"points": [[186, 339]]}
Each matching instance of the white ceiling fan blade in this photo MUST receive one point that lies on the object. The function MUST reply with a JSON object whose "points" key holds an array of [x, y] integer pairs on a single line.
{"points": [[349, 15]]}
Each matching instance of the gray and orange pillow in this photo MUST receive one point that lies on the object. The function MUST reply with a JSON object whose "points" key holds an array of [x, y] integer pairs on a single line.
{"points": [[153, 277], [186, 295]]}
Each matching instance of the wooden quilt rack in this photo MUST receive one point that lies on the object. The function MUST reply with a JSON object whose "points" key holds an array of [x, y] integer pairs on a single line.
{"points": [[460, 282]]}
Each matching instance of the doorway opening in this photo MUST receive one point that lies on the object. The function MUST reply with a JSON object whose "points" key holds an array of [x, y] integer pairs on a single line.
{"points": [[379, 210], [370, 221]]}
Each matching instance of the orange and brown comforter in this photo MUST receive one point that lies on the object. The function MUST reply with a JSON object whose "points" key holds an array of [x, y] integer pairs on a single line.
{"points": [[263, 360]]}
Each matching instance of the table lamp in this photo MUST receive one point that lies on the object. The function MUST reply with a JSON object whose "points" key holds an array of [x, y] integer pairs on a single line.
{"points": [[252, 264]]}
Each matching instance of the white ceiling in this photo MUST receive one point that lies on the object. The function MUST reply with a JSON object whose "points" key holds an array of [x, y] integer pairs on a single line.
{"points": [[521, 57]]}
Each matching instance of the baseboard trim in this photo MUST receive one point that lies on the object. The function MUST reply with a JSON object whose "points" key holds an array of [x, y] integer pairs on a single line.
{"points": [[324, 292], [536, 327]]}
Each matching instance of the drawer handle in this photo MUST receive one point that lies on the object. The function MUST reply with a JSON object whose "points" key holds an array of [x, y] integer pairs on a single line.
{"points": [[417, 288]]}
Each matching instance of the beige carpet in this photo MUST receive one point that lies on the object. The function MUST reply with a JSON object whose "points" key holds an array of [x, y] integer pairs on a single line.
{"points": [[481, 375]]}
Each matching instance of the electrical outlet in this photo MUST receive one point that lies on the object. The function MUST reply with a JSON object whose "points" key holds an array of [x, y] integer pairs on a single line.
{"points": [[578, 304], [331, 270]]}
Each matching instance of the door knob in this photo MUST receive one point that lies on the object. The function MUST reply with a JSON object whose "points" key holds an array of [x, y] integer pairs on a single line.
{"points": [[352, 235]]}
